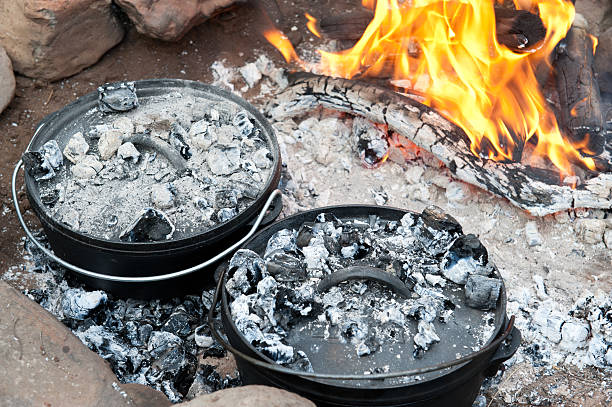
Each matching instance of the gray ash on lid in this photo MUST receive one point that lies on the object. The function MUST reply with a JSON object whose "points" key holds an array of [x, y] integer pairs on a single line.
{"points": [[178, 163], [279, 307]]}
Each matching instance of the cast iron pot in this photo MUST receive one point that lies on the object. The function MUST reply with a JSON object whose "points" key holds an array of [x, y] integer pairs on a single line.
{"points": [[449, 382], [142, 270]]}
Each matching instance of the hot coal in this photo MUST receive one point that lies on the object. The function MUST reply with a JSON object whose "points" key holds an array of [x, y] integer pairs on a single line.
{"points": [[365, 315], [43, 164], [151, 226], [178, 135], [78, 303], [482, 292], [117, 98]]}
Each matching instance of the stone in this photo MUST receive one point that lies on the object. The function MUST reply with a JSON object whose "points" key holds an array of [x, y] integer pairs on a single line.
{"points": [[48, 365], [170, 20], [145, 396], [76, 149], [250, 396], [591, 231], [533, 236], [56, 39], [109, 143], [7, 80]]}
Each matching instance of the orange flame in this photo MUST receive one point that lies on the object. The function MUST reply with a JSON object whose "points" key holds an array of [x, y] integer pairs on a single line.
{"points": [[462, 71], [312, 25], [594, 41]]}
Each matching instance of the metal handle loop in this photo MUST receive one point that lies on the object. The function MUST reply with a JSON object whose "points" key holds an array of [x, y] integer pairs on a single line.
{"points": [[364, 273], [134, 279], [311, 375]]}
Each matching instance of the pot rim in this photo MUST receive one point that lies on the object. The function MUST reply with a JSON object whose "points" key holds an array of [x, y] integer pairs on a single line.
{"points": [[500, 312], [88, 101]]}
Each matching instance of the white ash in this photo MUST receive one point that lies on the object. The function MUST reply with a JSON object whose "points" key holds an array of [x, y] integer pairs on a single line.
{"points": [[269, 295], [108, 180]]}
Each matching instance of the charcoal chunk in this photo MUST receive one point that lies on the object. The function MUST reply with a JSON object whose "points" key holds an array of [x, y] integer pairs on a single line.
{"points": [[43, 164], [482, 292], [178, 135], [151, 225], [244, 124], [78, 303], [117, 98], [283, 240], [178, 324], [246, 269]]}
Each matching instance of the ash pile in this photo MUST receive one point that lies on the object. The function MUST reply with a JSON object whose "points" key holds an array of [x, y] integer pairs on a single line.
{"points": [[154, 168], [163, 344], [444, 271]]}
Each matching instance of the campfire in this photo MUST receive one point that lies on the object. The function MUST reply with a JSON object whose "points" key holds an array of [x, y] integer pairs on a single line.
{"points": [[486, 68]]}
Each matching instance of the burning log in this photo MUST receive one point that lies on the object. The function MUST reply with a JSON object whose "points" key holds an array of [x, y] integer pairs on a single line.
{"points": [[535, 190], [581, 112], [518, 30]]}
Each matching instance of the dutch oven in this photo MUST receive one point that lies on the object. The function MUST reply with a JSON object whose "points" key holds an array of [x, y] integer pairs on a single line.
{"points": [[438, 380], [146, 269]]}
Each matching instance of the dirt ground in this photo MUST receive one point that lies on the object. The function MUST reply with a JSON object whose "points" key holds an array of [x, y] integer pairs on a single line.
{"points": [[569, 266]]}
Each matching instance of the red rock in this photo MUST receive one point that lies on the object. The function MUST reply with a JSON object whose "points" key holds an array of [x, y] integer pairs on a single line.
{"points": [[250, 396], [43, 364], [7, 80], [170, 20], [54, 39]]}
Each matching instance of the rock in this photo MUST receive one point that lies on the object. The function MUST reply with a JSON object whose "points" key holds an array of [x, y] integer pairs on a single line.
{"points": [[56, 39], [170, 20], [109, 143], [76, 148], [7, 80], [48, 365], [250, 396], [591, 231], [145, 396], [533, 236]]}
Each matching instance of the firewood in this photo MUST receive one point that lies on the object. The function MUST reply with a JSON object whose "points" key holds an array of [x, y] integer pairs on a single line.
{"points": [[519, 30], [579, 96], [537, 191]]}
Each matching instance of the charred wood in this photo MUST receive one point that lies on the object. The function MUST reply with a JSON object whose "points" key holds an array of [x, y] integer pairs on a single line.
{"points": [[518, 30], [579, 97], [538, 192]]}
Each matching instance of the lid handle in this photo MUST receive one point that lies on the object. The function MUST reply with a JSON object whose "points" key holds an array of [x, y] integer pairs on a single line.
{"points": [[365, 273]]}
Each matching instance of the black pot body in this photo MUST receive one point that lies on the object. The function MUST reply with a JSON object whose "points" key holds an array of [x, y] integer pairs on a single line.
{"points": [[117, 258], [456, 387]]}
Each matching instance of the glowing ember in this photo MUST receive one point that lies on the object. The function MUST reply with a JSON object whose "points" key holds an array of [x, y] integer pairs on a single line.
{"points": [[447, 52]]}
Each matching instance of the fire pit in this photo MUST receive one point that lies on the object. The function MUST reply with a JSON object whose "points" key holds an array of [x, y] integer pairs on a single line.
{"points": [[424, 325], [163, 175]]}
